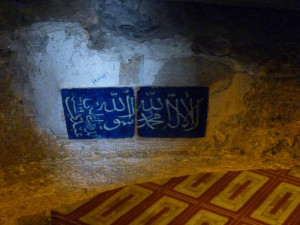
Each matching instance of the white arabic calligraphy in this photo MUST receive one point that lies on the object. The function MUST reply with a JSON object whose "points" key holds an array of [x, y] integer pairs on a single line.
{"points": [[180, 113], [94, 116]]}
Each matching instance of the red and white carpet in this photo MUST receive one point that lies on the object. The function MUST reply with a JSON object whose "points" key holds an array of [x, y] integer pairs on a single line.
{"points": [[241, 198]]}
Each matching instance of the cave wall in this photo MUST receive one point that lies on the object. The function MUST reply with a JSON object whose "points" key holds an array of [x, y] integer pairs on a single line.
{"points": [[289, 4], [249, 59]]}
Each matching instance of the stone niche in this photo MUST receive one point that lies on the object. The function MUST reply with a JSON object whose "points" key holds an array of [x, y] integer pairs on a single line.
{"points": [[247, 59]]}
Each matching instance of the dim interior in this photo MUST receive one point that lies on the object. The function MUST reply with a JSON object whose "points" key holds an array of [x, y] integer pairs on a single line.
{"points": [[246, 54]]}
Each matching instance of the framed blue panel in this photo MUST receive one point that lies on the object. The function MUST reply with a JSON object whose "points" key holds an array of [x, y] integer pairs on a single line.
{"points": [[98, 113], [172, 112]]}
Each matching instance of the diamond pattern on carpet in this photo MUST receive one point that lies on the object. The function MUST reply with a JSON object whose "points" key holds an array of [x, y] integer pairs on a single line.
{"points": [[241, 198]]}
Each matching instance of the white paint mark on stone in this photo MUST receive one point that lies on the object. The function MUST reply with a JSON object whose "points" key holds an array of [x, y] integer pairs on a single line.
{"points": [[56, 56]]}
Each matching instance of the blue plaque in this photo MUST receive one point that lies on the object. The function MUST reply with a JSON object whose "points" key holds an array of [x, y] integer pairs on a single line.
{"points": [[172, 112], [97, 113]]}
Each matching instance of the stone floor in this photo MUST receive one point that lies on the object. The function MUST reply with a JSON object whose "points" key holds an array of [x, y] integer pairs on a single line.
{"points": [[248, 197]]}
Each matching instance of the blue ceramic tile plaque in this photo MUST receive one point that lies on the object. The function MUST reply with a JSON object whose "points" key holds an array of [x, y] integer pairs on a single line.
{"points": [[97, 113], [172, 112]]}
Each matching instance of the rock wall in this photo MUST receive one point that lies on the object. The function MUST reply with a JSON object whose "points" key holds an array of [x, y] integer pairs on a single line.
{"points": [[289, 4]]}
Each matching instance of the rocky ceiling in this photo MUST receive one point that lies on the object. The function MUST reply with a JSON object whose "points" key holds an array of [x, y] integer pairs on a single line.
{"points": [[280, 4]]}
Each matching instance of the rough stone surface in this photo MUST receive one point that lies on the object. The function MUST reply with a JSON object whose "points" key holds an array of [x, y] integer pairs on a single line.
{"points": [[288, 4], [253, 118], [136, 18], [56, 56]]}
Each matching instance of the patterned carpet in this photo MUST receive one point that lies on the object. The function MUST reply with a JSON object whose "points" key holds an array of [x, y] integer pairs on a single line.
{"points": [[243, 198]]}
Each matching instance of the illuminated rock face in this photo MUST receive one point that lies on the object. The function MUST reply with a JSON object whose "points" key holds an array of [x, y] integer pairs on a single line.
{"points": [[253, 102], [64, 60], [60, 58]]}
